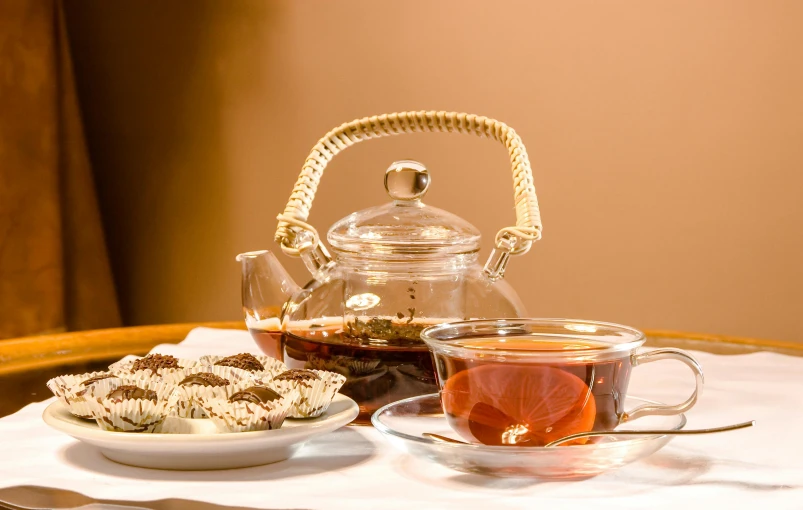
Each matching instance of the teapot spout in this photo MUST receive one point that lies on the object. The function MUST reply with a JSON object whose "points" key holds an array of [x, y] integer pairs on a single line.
{"points": [[266, 286]]}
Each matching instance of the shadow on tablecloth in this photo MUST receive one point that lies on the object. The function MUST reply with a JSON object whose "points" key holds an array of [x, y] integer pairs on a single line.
{"points": [[312, 459]]}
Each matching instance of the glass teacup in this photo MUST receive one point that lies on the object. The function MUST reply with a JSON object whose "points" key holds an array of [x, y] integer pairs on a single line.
{"points": [[527, 382]]}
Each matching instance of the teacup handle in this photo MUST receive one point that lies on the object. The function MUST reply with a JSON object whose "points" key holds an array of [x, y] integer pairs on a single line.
{"points": [[662, 354]]}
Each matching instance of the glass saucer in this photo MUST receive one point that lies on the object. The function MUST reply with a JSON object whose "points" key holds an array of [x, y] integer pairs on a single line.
{"points": [[404, 422]]}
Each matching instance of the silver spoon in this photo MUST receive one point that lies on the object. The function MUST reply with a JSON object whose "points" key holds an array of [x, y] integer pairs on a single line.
{"points": [[690, 432]]}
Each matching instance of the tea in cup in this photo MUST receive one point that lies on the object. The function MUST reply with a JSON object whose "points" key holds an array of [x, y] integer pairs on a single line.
{"points": [[526, 382]]}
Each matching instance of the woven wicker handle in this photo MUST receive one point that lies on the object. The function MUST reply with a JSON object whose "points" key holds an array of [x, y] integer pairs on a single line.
{"points": [[528, 218]]}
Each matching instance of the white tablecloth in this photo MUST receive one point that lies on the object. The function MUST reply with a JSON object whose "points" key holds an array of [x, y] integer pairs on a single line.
{"points": [[355, 468]]}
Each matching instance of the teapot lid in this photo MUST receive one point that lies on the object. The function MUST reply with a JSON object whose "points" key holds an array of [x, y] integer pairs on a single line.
{"points": [[405, 226]]}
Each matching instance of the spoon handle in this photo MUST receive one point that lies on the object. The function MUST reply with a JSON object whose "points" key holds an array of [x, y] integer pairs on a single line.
{"points": [[442, 439], [645, 432]]}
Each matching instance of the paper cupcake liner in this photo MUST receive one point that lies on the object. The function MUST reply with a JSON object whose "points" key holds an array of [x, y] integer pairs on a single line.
{"points": [[247, 416], [80, 396], [345, 365], [337, 364], [363, 366], [314, 396], [131, 415], [272, 366], [59, 385], [127, 361], [62, 387], [148, 377], [96, 389], [170, 375], [315, 362], [134, 415], [235, 375], [191, 397]]}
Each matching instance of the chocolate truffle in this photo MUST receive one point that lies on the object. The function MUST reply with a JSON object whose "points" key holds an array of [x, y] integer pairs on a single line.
{"points": [[255, 395], [155, 362], [242, 361], [204, 379], [131, 392], [93, 380], [297, 374]]}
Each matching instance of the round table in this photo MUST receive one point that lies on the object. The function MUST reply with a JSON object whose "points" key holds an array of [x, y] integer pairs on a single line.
{"points": [[27, 363]]}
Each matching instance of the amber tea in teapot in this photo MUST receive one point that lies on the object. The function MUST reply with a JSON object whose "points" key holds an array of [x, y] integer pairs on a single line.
{"points": [[377, 373], [267, 334]]}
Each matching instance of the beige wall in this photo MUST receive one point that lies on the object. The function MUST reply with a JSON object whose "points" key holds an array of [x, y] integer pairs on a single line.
{"points": [[666, 140]]}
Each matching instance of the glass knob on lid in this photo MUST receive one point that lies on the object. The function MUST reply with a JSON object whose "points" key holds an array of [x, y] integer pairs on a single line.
{"points": [[406, 226], [406, 180]]}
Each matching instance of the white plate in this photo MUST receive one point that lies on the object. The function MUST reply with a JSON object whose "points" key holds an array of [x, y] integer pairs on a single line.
{"points": [[202, 451]]}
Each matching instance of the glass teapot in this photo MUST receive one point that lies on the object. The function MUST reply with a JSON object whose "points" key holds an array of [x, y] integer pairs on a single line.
{"points": [[397, 268]]}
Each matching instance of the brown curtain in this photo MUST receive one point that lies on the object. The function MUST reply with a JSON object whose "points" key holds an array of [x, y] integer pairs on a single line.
{"points": [[54, 269]]}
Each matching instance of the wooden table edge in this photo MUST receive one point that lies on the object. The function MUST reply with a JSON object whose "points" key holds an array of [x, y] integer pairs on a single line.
{"points": [[38, 352], [762, 343]]}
